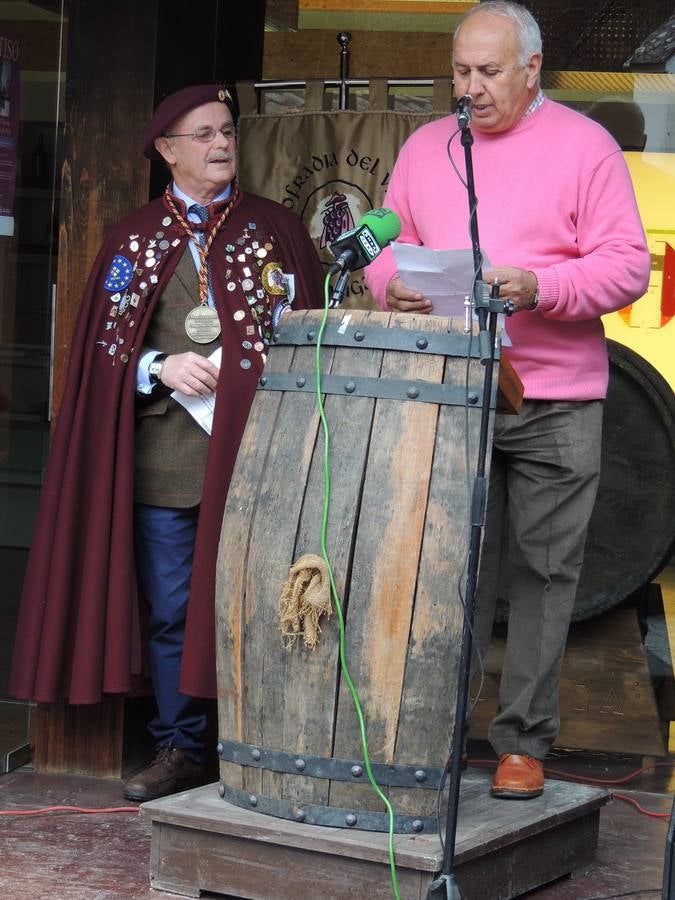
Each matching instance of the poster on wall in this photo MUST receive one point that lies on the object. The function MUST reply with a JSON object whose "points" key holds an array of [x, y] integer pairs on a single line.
{"points": [[10, 53]]}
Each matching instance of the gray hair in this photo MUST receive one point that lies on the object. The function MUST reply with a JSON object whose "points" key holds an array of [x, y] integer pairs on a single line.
{"points": [[527, 29]]}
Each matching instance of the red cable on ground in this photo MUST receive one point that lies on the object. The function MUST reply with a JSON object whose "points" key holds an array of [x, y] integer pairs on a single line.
{"points": [[76, 809], [480, 763], [645, 812], [581, 778], [565, 776]]}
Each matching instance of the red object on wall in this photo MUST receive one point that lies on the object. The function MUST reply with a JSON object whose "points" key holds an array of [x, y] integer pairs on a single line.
{"points": [[668, 286]]}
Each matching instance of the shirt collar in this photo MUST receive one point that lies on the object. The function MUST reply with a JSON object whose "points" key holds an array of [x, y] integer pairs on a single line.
{"points": [[189, 201], [536, 103]]}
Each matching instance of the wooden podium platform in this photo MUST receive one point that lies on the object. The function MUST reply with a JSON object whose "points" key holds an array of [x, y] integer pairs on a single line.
{"points": [[503, 848]]}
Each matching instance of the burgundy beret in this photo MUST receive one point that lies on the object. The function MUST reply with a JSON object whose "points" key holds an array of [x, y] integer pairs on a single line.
{"points": [[179, 104]]}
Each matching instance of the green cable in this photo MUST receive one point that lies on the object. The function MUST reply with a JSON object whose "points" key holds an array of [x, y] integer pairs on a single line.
{"points": [[336, 599]]}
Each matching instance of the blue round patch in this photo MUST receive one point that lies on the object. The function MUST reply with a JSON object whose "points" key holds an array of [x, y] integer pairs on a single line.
{"points": [[119, 275]]}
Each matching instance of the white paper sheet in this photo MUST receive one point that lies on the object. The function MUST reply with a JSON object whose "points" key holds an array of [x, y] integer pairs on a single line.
{"points": [[444, 276], [201, 408]]}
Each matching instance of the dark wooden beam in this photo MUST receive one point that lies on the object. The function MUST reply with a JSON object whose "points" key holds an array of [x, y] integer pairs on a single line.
{"points": [[223, 44], [109, 99], [240, 53]]}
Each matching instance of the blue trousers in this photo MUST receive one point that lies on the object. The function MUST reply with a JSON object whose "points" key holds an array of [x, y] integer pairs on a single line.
{"points": [[164, 543]]}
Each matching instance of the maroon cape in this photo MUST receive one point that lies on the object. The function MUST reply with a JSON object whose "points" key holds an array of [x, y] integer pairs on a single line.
{"points": [[78, 634]]}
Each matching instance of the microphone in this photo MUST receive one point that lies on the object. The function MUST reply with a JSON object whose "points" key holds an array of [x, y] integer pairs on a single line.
{"points": [[359, 247], [463, 111]]}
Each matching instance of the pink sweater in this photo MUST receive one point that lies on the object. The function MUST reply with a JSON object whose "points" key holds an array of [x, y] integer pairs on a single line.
{"points": [[554, 196]]}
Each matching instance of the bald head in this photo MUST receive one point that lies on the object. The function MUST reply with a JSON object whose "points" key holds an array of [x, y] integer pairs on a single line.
{"points": [[489, 65], [527, 30]]}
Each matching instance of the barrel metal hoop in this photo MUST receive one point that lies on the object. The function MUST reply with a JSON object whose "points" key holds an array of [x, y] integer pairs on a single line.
{"points": [[376, 337], [331, 816], [258, 757], [379, 388]]}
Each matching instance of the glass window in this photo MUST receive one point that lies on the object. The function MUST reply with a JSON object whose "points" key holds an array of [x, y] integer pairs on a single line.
{"points": [[30, 119]]}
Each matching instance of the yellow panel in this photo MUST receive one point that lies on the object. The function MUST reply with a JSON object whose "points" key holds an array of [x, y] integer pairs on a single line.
{"points": [[396, 6], [607, 82], [653, 176], [666, 581]]}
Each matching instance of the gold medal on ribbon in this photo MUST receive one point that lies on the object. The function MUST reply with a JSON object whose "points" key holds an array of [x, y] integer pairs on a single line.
{"points": [[202, 324]]}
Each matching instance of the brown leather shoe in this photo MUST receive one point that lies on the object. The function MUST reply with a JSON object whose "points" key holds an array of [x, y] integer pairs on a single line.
{"points": [[518, 777], [171, 772]]}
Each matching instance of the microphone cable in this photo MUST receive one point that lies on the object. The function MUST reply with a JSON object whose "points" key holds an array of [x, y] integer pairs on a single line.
{"points": [[336, 598]]}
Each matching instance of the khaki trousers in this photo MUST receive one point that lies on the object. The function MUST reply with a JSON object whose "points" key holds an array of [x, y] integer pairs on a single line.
{"points": [[543, 482]]}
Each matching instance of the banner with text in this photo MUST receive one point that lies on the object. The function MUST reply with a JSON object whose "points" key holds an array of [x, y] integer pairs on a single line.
{"points": [[329, 167]]}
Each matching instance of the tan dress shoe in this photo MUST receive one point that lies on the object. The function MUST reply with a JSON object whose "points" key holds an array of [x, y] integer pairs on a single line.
{"points": [[518, 777], [171, 771]]}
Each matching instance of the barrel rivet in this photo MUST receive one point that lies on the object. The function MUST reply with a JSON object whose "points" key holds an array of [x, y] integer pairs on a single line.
{"points": [[413, 393], [301, 381], [417, 826], [350, 387], [221, 790], [351, 820], [357, 771], [420, 775], [359, 336], [220, 748], [311, 335], [421, 343], [472, 398], [263, 380], [253, 800], [300, 765], [255, 754], [276, 336], [299, 815]]}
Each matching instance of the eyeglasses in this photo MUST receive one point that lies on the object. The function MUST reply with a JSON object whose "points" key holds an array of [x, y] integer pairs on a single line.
{"points": [[205, 135]]}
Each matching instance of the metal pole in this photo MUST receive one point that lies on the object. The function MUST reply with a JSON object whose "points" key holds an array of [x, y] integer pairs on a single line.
{"points": [[344, 39]]}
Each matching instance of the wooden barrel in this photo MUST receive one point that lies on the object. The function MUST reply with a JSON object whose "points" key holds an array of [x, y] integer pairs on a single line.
{"points": [[631, 535], [397, 536]]}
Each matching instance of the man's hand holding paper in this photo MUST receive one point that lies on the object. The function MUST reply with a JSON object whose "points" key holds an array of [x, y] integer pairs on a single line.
{"points": [[431, 281], [201, 406]]}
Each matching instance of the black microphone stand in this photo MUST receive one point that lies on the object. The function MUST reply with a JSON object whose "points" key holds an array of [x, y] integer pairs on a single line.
{"points": [[487, 306]]}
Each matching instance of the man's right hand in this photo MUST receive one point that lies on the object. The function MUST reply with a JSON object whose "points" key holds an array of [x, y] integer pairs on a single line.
{"points": [[190, 373], [402, 299]]}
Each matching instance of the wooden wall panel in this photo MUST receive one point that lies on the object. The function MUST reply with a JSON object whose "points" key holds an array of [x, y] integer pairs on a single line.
{"points": [[316, 54], [109, 100], [86, 740]]}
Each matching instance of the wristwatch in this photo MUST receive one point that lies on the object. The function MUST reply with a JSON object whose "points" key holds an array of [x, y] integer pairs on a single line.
{"points": [[155, 369]]}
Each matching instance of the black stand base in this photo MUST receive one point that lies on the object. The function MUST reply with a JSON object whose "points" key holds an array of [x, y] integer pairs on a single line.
{"points": [[445, 888]]}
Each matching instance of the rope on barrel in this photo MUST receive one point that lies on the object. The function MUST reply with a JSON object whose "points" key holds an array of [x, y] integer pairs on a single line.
{"points": [[305, 597]]}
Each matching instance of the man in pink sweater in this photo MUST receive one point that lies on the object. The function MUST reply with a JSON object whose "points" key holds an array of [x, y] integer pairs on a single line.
{"points": [[558, 221]]}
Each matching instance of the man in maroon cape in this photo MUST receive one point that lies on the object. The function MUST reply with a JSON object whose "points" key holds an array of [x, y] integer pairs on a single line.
{"points": [[183, 297]]}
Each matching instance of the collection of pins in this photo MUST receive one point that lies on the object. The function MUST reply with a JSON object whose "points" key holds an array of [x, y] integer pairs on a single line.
{"points": [[254, 282]]}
